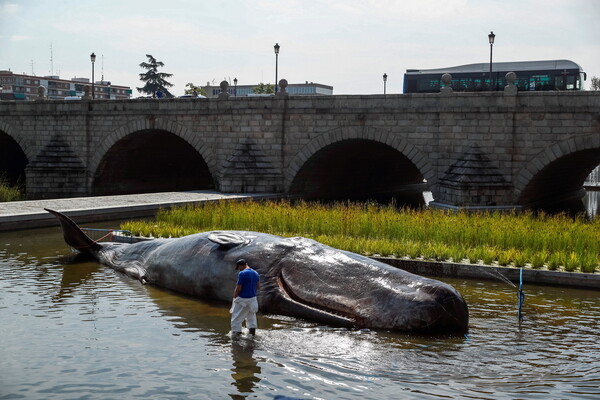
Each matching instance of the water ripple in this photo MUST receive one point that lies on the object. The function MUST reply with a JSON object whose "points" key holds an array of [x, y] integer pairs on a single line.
{"points": [[81, 330]]}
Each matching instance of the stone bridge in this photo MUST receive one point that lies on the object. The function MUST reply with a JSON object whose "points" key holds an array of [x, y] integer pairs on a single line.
{"points": [[472, 150]]}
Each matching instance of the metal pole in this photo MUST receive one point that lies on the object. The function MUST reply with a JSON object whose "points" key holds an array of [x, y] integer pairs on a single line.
{"points": [[93, 59], [491, 85], [93, 91], [384, 83], [491, 38], [276, 47]]}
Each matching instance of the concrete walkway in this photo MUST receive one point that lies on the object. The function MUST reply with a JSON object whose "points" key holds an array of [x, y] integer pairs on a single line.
{"points": [[30, 214]]}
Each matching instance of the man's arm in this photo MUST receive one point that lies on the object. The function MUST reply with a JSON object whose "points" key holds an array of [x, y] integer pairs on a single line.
{"points": [[236, 292]]}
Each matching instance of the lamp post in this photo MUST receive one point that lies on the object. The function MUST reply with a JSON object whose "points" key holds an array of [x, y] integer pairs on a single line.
{"points": [[235, 86], [491, 37], [93, 58], [108, 90], [276, 47], [384, 82]]}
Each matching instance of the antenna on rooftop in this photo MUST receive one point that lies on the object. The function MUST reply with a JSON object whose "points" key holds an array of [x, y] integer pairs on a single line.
{"points": [[32, 73], [51, 61], [102, 69]]}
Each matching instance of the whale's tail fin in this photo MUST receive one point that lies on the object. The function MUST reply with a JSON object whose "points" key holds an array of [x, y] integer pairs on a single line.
{"points": [[73, 235]]}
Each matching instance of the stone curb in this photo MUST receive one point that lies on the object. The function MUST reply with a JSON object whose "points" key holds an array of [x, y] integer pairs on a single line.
{"points": [[30, 214], [486, 272]]}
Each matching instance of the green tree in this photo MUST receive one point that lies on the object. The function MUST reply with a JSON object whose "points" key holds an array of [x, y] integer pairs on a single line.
{"points": [[154, 80], [595, 83], [263, 88], [193, 89]]}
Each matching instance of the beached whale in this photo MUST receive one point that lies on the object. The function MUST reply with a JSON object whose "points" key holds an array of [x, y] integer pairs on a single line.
{"points": [[299, 277]]}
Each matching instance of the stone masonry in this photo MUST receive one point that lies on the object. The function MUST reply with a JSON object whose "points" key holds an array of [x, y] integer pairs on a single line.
{"points": [[472, 149]]}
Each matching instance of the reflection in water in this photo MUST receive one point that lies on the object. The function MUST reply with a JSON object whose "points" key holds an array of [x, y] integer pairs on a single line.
{"points": [[245, 371], [78, 269], [211, 320], [72, 328]]}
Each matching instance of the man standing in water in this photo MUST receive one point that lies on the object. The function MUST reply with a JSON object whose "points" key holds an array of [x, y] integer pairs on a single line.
{"points": [[245, 304]]}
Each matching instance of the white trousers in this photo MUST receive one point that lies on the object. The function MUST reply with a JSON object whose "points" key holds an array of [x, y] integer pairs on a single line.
{"points": [[243, 309]]}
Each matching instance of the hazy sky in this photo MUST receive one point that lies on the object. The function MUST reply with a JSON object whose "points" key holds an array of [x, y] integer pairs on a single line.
{"points": [[348, 44]]}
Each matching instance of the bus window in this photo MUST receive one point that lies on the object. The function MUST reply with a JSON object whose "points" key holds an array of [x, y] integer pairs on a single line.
{"points": [[539, 82], [428, 85], [466, 84], [570, 82]]}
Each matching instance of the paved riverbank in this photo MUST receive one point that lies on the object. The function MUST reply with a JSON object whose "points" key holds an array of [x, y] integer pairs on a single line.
{"points": [[30, 214]]}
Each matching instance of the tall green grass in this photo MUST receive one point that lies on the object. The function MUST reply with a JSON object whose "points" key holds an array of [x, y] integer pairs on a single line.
{"points": [[515, 239], [8, 192]]}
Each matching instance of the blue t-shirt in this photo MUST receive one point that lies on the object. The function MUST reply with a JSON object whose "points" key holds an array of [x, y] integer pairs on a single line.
{"points": [[248, 278]]}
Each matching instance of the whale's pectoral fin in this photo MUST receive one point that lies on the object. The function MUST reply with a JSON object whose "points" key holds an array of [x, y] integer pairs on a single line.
{"points": [[226, 240]]}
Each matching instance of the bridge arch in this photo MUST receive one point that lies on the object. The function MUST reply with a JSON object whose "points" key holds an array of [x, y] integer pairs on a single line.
{"points": [[13, 155], [556, 175], [359, 163], [151, 154]]}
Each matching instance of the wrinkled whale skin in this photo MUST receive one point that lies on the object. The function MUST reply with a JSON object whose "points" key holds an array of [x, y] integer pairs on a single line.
{"points": [[299, 277]]}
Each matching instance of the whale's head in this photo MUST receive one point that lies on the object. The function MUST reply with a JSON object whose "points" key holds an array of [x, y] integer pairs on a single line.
{"points": [[302, 277]]}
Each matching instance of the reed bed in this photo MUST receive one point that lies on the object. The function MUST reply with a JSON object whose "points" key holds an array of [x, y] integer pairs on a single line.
{"points": [[8, 192], [556, 242]]}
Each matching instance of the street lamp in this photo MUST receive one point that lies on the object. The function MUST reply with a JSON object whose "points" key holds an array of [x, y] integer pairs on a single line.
{"points": [[108, 90], [491, 37], [384, 82], [93, 58], [276, 47], [235, 86]]}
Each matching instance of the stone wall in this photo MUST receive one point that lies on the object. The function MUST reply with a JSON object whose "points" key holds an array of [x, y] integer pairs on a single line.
{"points": [[260, 144]]}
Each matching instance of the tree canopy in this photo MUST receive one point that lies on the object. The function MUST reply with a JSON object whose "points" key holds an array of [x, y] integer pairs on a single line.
{"points": [[193, 89], [595, 83], [154, 80], [263, 88]]}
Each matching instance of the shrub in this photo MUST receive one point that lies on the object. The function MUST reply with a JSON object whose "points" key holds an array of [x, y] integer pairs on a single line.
{"points": [[10, 193]]}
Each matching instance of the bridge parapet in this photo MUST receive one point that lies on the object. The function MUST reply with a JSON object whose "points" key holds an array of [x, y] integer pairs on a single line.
{"points": [[259, 144]]}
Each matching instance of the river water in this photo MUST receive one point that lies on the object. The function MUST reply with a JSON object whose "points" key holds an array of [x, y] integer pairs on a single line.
{"points": [[75, 329]]}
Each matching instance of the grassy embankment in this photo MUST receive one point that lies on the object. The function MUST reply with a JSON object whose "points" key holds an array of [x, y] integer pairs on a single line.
{"points": [[543, 241], [9, 193]]}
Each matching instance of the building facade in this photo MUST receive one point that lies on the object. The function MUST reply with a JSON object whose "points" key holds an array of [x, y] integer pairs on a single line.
{"points": [[298, 89], [25, 87]]}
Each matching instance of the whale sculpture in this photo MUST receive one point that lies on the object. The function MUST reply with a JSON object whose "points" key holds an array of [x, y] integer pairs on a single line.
{"points": [[299, 277]]}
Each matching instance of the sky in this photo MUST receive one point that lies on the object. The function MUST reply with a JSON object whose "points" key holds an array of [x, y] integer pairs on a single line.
{"points": [[348, 44]]}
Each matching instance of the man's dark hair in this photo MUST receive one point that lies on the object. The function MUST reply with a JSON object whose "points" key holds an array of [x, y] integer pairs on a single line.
{"points": [[241, 261]]}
